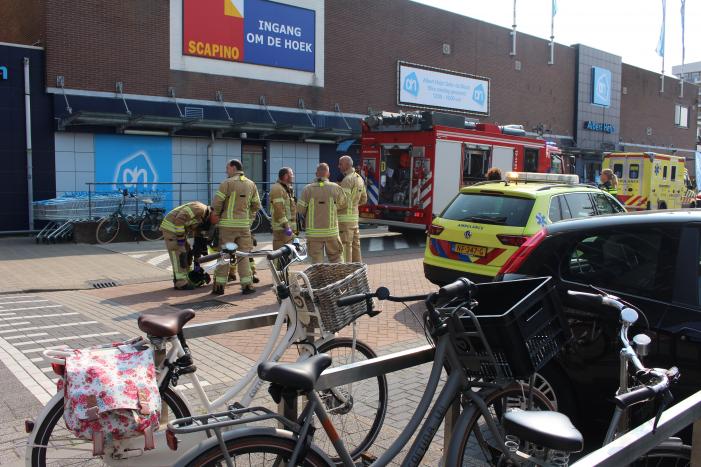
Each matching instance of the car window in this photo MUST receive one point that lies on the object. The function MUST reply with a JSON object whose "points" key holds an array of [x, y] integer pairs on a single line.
{"points": [[490, 209], [635, 262], [673, 176], [634, 171], [605, 205], [579, 204], [554, 213]]}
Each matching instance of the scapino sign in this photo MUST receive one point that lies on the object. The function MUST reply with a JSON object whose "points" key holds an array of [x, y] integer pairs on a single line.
{"points": [[240, 37]]}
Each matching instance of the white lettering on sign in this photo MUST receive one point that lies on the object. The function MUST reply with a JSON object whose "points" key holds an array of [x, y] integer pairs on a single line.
{"points": [[279, 28]]}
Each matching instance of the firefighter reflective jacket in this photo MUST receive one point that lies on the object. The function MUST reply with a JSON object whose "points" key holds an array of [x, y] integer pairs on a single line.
{"points": [[283, 207], [185, 218], [236, 202], [320, 202], [354, 187]]}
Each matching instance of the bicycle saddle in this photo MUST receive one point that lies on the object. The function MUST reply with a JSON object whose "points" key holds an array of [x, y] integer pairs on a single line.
{"points": [[546, 428], [301, 375], [164, 324]]}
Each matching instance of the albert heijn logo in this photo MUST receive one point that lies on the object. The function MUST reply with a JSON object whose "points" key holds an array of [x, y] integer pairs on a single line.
{"points": [[3, 73], [411, 84], [135, 170], [479, 95]]}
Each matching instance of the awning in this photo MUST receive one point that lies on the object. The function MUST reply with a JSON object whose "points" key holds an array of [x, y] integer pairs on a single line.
{"points": [[88, 111]]}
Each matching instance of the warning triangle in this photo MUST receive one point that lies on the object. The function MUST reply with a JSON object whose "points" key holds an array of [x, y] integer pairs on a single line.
{"points": [[233, 8]]}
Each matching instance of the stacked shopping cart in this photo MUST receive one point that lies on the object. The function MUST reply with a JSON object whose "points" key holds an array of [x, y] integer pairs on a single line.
{"points": [[82, 206]]}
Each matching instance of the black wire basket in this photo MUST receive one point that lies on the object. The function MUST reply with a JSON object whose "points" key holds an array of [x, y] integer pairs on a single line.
{"points": [[512, 329]]}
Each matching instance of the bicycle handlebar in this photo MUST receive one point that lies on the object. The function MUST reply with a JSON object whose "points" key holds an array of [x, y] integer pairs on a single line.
{"points": [[208, 258], [666, 377], [596, 300]]}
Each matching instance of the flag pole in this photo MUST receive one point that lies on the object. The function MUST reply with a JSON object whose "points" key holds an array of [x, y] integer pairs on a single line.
{"points": [[552, 33], [513, 33], [681, 75]]}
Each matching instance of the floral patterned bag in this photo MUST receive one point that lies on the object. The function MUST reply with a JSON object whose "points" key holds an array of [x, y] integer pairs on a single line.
{"points": [[111, 393]]}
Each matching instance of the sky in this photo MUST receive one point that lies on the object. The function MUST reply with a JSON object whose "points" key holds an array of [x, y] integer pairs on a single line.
{"points": [[628, 28]]}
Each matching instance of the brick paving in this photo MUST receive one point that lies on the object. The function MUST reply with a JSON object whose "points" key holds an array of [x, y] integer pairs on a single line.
{"points": [[223, 359]]}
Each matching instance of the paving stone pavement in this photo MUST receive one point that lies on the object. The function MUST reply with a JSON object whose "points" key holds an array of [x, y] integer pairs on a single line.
{"points": [[111, 313]]}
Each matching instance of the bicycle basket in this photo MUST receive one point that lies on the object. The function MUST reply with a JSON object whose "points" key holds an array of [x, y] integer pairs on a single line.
{"points": [[329, 282], [520, 327]]}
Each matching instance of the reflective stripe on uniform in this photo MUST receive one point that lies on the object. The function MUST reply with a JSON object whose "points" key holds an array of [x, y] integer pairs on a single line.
{"points": [[170, 227], [220, 195]]}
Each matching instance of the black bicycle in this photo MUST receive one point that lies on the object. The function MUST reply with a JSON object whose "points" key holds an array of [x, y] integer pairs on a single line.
{"points": [[147, 222]]}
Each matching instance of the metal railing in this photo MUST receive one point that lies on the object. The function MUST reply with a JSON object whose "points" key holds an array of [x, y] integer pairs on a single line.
{"points": [[622, 451], [173, 193]]}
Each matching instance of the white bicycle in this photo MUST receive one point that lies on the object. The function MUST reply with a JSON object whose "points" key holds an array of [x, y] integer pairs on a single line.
{"points": [[357, 409]]}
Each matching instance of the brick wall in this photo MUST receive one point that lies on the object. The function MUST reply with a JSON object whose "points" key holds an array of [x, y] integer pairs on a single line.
{"points": [[94, 44], [643, 106], [25, 24]]}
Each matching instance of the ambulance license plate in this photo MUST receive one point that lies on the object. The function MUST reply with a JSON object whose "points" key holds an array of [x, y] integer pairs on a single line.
{"points": [[473, 250]]}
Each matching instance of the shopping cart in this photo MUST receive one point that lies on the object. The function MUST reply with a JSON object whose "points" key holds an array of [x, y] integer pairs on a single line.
{"points": [[63, 212]]}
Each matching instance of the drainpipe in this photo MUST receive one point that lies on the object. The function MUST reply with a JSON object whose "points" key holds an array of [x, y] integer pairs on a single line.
{"points": [[28, 133], [210, 155]]}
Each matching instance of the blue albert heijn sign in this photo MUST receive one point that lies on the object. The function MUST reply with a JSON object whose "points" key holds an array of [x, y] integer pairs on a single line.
{"points": [[601, 86], [279, 35], [3, 72], [134, 162]]}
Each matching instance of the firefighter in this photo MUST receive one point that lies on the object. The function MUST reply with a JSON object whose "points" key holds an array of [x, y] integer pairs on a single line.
{"points": [[235, 200], [354, 188], [193, 217], [320, 202], [609, 181], [283, 208]]}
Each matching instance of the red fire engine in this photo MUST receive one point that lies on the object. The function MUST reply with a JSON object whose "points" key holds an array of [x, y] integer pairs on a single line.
{"points": [[414, 163]]}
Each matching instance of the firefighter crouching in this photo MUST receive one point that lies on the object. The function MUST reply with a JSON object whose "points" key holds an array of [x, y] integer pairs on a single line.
{"points": [[283, 209], [192, 217], [234, 202], [354, 188], [320, 202]]}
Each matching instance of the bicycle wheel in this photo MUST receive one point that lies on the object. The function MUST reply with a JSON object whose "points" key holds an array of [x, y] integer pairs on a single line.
{"points": [[107, 229], [54, 445], [258, 450], [478, 444], [150, 226], [357, 410], [257, 221], [666, 456]]}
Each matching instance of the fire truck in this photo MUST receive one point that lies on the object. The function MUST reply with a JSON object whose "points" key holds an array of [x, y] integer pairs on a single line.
{"points": [[414, 163], [647, 180]]}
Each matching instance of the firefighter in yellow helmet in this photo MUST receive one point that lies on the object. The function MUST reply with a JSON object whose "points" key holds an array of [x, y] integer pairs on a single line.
{"points": [[354, 188], [193, 217], [320, 202], [234, 202], [283, 208]]}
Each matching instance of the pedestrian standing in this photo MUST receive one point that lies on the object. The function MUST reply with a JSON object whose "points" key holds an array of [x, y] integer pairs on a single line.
{"points": [[354, 188], [609, 181], [320, 202], [234, 202], [283, 208], [193, 217]]}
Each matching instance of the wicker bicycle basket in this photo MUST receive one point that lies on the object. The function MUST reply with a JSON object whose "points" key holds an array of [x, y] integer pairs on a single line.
{"points": [[329, 282]]}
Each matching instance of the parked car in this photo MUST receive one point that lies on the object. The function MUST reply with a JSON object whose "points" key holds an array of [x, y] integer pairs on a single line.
{"points": [[487, 222], [650, 259]]}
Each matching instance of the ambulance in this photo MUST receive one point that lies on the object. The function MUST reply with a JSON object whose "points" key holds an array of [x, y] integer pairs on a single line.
{"points": [[415, 163], [647, 180]]}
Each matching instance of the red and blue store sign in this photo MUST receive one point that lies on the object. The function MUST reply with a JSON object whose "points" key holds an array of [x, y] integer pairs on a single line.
{"points": [[259, 32]]}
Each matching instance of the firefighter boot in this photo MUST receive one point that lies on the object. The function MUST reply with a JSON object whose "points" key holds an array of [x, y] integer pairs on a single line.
{"points": [[248, 289], [218, 289]]}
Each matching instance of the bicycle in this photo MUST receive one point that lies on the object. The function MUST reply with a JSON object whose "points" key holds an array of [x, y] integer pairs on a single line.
{"points": [[548, 438], [461, 346], [147, 222], [49, 443]]}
